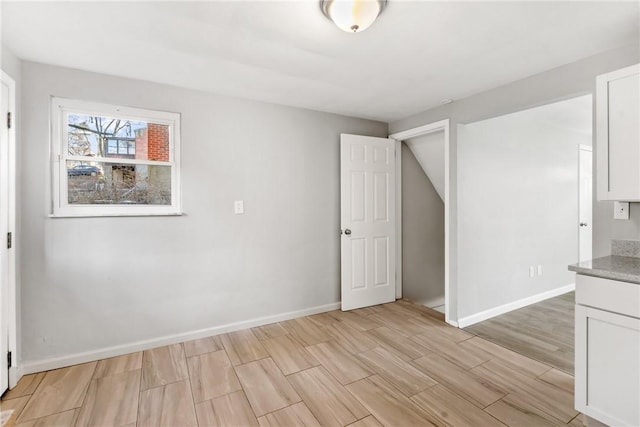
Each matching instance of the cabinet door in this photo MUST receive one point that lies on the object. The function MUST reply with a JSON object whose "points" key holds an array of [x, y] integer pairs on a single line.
{"points": [[618, 131], [607, 370]]}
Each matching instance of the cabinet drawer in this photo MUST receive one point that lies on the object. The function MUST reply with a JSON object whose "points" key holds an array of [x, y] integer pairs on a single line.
{"points": [[610, 295]]}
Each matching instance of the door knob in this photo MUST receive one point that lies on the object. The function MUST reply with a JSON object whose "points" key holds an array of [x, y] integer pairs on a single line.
{"points": [[347, 232], [583, 224]]}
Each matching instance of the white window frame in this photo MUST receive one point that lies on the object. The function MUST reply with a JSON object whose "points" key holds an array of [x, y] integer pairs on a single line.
{"points": [[60, 107]]}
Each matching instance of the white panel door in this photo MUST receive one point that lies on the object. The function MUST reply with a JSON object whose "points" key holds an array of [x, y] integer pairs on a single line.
{"points": [[368, 220], [586, 197], [4, 213]]}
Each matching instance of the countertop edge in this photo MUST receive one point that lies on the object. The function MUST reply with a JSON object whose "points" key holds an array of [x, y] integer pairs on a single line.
{"points": [[603, 274]]}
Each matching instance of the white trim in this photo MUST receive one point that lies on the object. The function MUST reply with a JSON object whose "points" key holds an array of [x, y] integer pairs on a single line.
{"points": [[31, 367], [586, 147], [11, 226], [420, 130], [398, 157], [496, 311], [442, 125], [60, 155]]}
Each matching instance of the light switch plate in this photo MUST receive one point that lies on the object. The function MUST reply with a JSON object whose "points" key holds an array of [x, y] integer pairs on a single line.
{"points": [[238, 207], [620, 210]]}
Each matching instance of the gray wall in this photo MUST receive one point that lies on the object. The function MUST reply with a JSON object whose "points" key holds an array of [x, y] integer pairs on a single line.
{"points": [[91, 283], [422, 235], [10, 64], [565, 82], [517, 207]]}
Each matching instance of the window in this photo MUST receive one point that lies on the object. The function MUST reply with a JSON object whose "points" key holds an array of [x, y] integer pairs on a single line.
{"points": [[110, 160]]}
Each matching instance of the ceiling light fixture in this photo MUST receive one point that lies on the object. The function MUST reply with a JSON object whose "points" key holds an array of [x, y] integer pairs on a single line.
{"points": [[352, 16]]}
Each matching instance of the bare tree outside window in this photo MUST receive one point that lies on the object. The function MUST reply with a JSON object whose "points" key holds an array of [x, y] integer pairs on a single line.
{"points": [[102, 182]]}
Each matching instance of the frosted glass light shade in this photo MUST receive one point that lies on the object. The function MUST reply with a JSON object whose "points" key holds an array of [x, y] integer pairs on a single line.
{"points": [[352, 15]]}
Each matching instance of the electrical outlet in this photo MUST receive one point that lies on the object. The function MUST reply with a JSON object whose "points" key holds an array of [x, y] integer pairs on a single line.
{"points": [[539, 270], [238, 207], [620, 210], [532, 271]]}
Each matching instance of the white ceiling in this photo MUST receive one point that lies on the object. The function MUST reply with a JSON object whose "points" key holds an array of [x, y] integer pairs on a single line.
{"points": [[416, 54]]}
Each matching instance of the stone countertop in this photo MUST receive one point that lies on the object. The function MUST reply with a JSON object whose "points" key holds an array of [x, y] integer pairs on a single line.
{"points": [[613, 267]]}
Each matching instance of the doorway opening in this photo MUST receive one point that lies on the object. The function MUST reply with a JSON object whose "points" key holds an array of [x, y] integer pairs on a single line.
{"points": [[423, 253]]}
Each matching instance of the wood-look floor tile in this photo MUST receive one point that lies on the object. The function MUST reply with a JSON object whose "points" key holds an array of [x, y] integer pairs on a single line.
{"points": [[449, 409], [163, 365], [306, 331], [243, 347], [366, 311], [357, 321], [523, 364], [352, 339], [475, 389], [61, 419], [398, 344], [211, 376], [466, 358], [26, 386], [430, 326], [60, 390], [289, 354], [322, 319], [398, 322], [269, 331], [513, 414], [295, 415], [202, 346], [167, 406], [539, 394], [111, 401], [369, 421], [344, 366], [404, 376], [387, 404], [266, 388], [559, 379], [232, 409], [328, 400], [118, 365], [16, 404], [422, 310], [542, 331], [578, 421]]}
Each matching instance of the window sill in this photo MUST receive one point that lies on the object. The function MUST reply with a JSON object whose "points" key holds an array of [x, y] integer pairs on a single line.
{"points": [[111, 215]]}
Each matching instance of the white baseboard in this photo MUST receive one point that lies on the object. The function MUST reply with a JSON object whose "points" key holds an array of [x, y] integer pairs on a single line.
{"points": [[496, 311], [33, 366]]}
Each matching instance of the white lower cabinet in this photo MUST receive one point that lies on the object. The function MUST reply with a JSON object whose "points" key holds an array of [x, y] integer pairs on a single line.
{"points": [[607, 369]]}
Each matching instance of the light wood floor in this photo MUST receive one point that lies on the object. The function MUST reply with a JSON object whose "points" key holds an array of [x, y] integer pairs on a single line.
{"points": [[541, 331], [395, 365]]}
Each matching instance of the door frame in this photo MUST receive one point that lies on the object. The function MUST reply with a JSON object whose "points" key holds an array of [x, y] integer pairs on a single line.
{"points": [[588, 148], [9, 188], [439, 126]]}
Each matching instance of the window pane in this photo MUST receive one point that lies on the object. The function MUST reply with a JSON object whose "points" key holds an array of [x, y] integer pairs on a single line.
{"points": [[116, 138], [118, 184]]}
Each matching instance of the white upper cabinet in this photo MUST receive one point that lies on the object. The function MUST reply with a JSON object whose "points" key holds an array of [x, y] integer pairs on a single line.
{"points": [[618, 134]]}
